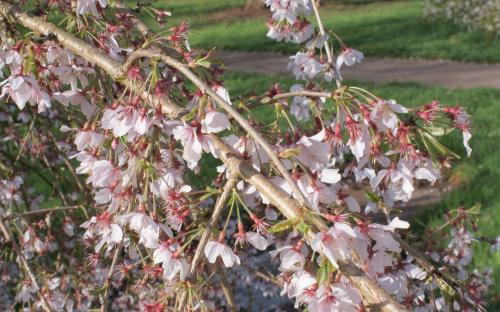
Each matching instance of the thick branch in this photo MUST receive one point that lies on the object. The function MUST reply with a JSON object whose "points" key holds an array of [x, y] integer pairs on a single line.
{"points": [[228, 108]]}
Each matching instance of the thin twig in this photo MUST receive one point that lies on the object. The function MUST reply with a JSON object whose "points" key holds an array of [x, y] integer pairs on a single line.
{"points": [[302, 93], [41, 211], [107, 282], [329, 53], [226, 288], [219, 205], [68, 164], [9, 238], [266, 277]]}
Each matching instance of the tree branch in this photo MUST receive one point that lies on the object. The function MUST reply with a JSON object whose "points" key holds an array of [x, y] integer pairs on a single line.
{"points": [[226, 288], [219, 205], [41, 211], [9, 239], [88, 52], [181, 67]]}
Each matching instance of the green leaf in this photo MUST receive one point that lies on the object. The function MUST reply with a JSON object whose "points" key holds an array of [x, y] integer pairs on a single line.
{"points": [[303, 227], [284, 225], [372, 196], [476, 209], [438, 131], [123, 140], [154, 74], [192, 114], [448, 291], [210, 192], [433, 145], [98, 291], [203, 63], [265, 100], [325, 270], [290, 152]]}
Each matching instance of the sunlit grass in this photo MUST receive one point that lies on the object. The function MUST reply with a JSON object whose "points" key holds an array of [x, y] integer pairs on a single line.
{"points": [[389, 28]]}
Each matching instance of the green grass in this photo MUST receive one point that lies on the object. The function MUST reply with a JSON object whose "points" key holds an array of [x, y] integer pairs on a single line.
{"points": [[382, 29], [194, 11], [481, 172]]}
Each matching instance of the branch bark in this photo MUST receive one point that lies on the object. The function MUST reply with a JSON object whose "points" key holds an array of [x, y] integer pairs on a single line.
{"points": [[228, 108]]}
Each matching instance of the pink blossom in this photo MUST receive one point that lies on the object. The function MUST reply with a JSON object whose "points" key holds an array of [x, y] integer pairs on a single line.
{"points": [[304, 66], [214, 249], [24, 89], [384, 114], [349, 56], [215, 122], [89, 6]]}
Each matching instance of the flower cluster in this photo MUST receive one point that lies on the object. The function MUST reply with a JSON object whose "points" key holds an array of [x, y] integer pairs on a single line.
{"points": [[124, 203]]}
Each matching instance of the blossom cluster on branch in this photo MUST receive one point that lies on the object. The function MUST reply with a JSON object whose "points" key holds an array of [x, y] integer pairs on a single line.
{"points": [[110, 197]]}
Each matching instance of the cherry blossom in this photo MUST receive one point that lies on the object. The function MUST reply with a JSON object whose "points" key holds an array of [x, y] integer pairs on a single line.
{"points": [[214, 249], [349, 56], [89, 6]]}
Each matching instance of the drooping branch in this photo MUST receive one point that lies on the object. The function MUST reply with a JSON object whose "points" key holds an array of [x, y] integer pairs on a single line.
{"points": [[88, 52], [107, 282], [42, 211], [226, 288], [329, 53], [228, 108], [304, 93], [322, 31], [373, 295]]}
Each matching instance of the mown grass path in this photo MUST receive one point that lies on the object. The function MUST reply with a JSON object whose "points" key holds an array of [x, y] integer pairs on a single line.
{"points": [[379, 70]]}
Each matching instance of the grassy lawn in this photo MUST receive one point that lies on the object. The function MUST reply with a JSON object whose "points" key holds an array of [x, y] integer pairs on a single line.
{"points": [[194, 11], [388, 28], [480, 172]]}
